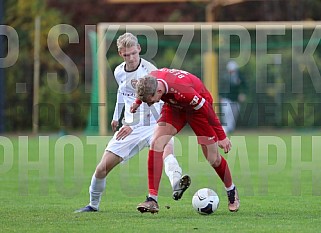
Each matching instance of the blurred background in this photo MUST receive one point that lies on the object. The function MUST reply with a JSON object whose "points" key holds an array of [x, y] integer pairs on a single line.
{"points": [[31, 102]]}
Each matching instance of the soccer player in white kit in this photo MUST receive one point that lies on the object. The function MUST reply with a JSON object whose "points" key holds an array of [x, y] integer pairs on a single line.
{"points": [[137, 129]]}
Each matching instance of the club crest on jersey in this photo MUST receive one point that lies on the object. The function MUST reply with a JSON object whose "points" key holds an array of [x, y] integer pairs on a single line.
{"points": [[133, 83]]}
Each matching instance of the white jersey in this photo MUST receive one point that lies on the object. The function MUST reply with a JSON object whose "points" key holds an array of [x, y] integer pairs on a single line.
{"points": [[145, 115], [143, 122]]}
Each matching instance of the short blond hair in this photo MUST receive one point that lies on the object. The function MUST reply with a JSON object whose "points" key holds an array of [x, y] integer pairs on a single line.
{"points": [[126, 40], [146, 87]]}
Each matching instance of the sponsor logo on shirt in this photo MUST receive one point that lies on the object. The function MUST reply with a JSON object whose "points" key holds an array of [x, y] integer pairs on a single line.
{"points": [[127, 94], [194, 101]]}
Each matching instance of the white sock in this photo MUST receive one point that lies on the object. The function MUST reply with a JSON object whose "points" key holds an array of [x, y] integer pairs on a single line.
{"points": [[230, 188], [96, 190], [172, 169], [153, 196]]}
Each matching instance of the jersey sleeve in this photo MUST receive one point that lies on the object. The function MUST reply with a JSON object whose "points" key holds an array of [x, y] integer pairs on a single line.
{"points": [[189, 96], [213, 120], [119, 105], [151, 67]]}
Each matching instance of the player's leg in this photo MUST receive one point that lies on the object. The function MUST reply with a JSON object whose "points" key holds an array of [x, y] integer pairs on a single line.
{"points": [[207, 138], [171, 166], [218, 163], [117, 151], [162, 135], [169, 124], [222, 169], [98, 181], [173, 171]]}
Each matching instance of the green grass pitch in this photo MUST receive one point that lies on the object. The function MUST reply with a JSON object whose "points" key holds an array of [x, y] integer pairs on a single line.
{"points": [[44, 179]]}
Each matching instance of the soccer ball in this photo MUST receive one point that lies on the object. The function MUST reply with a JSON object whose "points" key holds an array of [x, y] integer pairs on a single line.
{"points": [[205, 201]]}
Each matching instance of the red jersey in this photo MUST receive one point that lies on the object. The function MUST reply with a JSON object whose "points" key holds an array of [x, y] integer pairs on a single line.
{"points": [[187, 94], [183, 90]]}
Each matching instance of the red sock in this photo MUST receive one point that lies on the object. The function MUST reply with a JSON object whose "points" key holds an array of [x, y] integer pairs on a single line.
{"points": [[155, 168], [223, 171]]}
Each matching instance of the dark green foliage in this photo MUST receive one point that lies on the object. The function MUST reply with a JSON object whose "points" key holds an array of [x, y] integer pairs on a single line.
{"points": [[20, 15]]}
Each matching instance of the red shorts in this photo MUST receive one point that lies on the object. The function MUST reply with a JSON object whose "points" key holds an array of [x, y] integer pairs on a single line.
{"points": [[203, 127]]}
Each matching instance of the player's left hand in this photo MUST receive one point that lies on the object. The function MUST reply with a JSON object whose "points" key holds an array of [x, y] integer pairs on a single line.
{"points": [[123, 132], [225, 144]]}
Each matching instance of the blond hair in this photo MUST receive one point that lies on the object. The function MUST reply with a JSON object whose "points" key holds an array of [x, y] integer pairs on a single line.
{"points": [[126, 40], [146, 87]]}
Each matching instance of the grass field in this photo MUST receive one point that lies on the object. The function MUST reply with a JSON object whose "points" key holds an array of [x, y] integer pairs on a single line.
{"points": [[44, 179]]}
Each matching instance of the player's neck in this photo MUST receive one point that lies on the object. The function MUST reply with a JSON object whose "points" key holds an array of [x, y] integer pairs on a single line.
{"points": [[132, 67]]}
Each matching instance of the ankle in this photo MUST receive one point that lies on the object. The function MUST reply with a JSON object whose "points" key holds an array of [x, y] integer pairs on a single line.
{"points": [[153, 197]]}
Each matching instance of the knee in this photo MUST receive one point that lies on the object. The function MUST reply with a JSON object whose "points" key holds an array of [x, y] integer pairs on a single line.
{"points": [[217, 161], [101, 171], [214, 160], [169, 148], [157, 145]]}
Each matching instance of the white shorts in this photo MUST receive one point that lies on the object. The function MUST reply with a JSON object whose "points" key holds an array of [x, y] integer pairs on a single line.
{"points": [[136, 141]]}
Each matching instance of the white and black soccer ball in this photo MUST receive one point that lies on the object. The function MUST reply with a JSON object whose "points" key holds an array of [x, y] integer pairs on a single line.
{"points": [[205, 201]]}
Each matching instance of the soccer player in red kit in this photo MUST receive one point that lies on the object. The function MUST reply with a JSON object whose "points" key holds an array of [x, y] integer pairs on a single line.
{"points": [[186, 101]]}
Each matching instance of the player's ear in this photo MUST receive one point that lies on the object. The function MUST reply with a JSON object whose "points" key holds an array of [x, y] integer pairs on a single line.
{"points": [[159, 92], [139, 48]]}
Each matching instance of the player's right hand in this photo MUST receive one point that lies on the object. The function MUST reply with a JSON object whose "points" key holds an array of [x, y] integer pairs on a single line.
{"points": [[225, 144], [114, 125]]}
